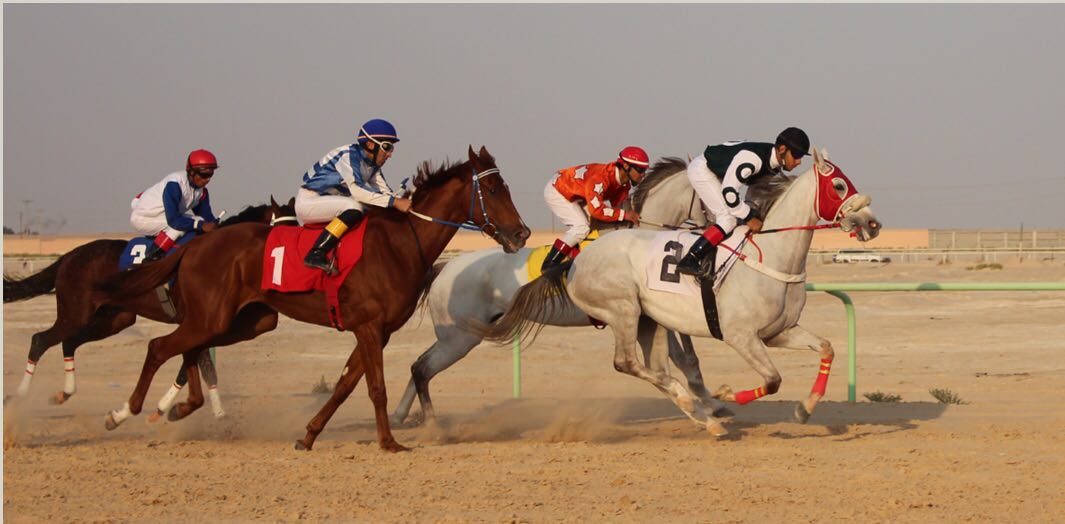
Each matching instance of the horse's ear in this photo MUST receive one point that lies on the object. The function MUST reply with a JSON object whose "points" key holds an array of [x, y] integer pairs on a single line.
{"points": [[485, 155], [272, 201], [473, 156], [824, 154], [292, 202], [819, 161]]}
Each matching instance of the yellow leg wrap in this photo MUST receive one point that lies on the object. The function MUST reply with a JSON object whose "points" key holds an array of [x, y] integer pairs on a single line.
{"points": [[337, 227]]}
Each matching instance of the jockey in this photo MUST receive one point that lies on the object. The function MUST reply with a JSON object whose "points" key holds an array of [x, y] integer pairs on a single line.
{"points": [[346, 179], [601, 187], [720, 173], [176, 205]]}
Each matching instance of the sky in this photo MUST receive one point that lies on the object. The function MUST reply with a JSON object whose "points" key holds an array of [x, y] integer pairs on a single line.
{"points": [[948, 116]]}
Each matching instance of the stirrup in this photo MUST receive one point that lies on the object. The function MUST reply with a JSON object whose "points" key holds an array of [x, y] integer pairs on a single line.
{"points": [[329, 265]]}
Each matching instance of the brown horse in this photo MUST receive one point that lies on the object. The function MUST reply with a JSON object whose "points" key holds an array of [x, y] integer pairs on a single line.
{"points": [[73, 277], [223, 303]]}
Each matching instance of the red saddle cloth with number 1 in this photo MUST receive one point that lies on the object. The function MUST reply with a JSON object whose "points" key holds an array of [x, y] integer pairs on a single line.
{"points": [[283, 268]]}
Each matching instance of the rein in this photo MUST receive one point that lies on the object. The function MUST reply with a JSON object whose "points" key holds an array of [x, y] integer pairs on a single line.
{"points": [[476, 195]]}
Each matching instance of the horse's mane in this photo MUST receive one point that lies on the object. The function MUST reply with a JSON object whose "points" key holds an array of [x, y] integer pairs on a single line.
{"points": [[429, 176], [761, 195], [248, 214], [658, 173]]}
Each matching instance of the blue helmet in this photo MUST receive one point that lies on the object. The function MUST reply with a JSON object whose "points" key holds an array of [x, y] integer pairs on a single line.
{"points": [[378, 130]]}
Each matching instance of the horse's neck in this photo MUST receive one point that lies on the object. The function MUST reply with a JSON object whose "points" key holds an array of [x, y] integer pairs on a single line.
{"points": [[448, 203], [672, 202], [786, 251]]}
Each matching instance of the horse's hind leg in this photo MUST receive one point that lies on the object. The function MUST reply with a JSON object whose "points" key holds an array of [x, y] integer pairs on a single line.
{"points": [[188, 336], [682, 353], [39, 343], [798, 337], [210, 376], [106, 322], [451, 346], [649, 335]]}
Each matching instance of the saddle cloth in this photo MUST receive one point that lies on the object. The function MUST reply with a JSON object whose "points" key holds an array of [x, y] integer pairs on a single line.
{"points": [[669, 247], [287, 246], [537, 255], [137, 247]]}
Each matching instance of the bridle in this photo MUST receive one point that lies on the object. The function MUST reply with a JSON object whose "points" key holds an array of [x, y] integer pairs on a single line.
{"points": [[476, 196]]}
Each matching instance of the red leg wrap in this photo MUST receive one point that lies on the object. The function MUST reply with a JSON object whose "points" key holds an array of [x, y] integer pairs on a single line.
{"points": [[744, 397], [822, 377]]}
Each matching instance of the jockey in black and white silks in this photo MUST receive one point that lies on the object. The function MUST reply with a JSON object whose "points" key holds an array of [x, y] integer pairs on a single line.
{"points": [[723, 171]]}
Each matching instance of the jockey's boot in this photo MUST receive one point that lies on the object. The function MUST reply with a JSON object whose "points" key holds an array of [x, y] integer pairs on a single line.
{"points": [[692, 263], [318, 256], [159, 248], [556, 256]]}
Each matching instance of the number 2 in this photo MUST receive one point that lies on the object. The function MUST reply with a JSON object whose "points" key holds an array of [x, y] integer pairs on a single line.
{"points": [[667, 274]]}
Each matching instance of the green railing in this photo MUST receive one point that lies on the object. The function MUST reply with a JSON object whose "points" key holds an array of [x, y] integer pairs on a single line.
{"points": [[838, 290]]}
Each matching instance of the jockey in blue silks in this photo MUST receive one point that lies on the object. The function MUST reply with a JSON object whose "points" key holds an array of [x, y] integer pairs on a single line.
{"points": [[177, 205], [339, 186]]}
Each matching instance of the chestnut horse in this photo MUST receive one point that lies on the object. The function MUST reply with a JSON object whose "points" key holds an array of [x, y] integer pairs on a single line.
{"points": [[222, 304], [73, 277]]}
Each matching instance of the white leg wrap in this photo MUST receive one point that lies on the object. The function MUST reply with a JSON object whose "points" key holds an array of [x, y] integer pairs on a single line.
{"points": [[24, 386], [168, 398], [122, 414], [70, 386], [216, 402]]}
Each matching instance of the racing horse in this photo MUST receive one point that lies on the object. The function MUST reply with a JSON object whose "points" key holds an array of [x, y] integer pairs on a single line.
{"points": [[73, 277], [759, 301], [476, 287], [222, 306]]}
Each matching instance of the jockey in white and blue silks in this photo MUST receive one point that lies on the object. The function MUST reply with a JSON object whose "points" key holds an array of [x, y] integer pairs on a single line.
{"points": [[722, 172], [338, 186], [176, 205]]}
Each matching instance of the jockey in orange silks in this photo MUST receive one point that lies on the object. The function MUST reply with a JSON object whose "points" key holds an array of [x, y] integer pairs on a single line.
{"points": [[599, 186]]}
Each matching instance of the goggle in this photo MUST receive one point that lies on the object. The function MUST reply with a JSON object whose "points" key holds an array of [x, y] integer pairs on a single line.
{"points": [[385, 146], [634, 167], [203, 172]]}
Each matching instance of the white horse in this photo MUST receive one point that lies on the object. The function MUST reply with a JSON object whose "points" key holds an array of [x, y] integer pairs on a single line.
{"points": [[759, 302], [477, 287]]}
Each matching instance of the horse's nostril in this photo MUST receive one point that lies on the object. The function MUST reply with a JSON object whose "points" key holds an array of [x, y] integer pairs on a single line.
{"points": [[874, 224]]}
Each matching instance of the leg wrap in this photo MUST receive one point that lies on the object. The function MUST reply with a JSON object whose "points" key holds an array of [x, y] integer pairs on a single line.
{"points": [[822, 377], [24, 386], [168, 398], [69, 386], [744, 397], [216, 402]]}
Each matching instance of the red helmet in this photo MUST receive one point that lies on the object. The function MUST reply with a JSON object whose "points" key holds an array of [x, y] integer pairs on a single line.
{"points": [[201, 157], [635, 156]]}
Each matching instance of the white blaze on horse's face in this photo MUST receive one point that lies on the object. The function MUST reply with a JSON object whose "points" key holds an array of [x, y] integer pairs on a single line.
{"points": [[838, 199]]}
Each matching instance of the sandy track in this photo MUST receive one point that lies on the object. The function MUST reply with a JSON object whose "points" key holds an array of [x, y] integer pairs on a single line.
{"points": [[587, 443]]}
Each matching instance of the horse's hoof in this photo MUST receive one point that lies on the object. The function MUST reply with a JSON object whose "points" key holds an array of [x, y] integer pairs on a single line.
{"points": [[59, 398], [715, 428], [723, 412], [220, 414], [109, 422], [173, 415], [393, 447], [154, 417], [723, 392], [300, 446], [801, 415]]}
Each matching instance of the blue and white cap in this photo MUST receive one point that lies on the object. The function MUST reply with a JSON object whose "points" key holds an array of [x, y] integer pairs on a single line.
{"points": [[378, 130]]}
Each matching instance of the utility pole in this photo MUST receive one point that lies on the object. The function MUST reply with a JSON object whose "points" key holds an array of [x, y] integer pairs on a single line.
{"points": [[25, 207]]}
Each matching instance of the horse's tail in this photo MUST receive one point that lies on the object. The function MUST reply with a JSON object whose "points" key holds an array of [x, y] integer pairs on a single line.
{"points": [[430, 277], [138, 281], [534, 303], [34, 285]]}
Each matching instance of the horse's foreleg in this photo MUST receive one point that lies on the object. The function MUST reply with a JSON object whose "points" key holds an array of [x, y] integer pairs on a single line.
{"points": [[210, 376], [798, 337], [751, 348], [682, 353], [371, 348], [195, 399], [353, 371]]}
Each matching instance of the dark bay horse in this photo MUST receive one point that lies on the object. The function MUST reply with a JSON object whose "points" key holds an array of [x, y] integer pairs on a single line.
{"points": [[73, 277], [222, 304]]}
